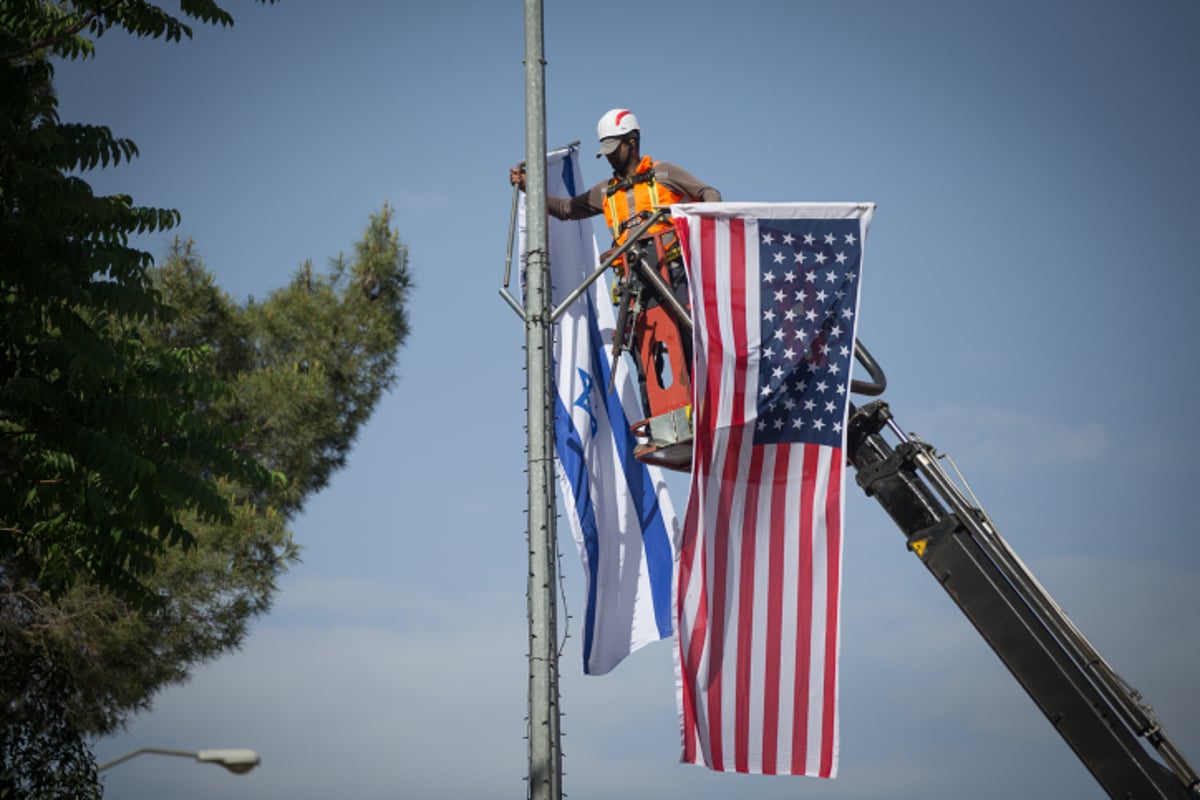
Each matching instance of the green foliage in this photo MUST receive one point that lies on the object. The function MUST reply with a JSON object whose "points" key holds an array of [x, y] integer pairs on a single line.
{"points": [[117, 656], [32, 27], [104, 438], [307, 367], [110, 458], [328, 343], [42, 755]]}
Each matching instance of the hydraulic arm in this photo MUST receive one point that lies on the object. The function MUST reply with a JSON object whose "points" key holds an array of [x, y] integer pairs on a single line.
{"points": [[1099, 715]]}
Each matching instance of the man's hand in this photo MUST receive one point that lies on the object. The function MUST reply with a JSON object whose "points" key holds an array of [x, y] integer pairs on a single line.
{"points": [[516, 176]]}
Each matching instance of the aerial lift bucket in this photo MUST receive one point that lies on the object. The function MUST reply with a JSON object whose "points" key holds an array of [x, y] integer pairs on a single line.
{"points": [[655, 325]]}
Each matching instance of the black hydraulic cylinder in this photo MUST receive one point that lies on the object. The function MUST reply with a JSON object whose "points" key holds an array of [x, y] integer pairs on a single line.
{"points": [[987, 593]]}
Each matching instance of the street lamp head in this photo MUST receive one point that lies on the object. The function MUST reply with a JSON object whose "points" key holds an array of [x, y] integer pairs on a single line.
{"points": [[237, 761]]}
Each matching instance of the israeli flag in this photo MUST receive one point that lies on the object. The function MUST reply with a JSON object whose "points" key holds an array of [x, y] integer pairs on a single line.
{"points": [[618, 508]]}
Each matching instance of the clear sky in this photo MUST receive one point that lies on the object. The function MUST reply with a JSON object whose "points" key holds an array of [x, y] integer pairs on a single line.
{"points": [[1029, 288]]}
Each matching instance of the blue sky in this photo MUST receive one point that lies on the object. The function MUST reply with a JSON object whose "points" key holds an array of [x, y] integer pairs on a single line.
{"points": [[1028, 287]]}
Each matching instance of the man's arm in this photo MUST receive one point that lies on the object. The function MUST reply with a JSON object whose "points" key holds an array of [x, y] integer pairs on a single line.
{"points": [[680, 181], [580, 206]]}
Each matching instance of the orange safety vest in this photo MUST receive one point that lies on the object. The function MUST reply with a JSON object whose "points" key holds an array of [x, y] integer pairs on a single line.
{"points": [[628, 202]]}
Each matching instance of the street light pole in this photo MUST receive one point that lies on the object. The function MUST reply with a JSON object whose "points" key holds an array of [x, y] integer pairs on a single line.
{"points": [[545, 757], [237, 761]]}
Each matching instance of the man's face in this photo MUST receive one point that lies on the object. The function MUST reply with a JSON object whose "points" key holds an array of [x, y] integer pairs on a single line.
{"points": [[619, 159]]}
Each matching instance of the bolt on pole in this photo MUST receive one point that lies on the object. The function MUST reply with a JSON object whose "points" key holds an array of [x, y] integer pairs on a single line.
{"points": [[545, 756]]}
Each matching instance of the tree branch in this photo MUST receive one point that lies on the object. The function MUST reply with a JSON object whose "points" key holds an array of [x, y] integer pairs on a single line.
{"points": [[71, 30]]}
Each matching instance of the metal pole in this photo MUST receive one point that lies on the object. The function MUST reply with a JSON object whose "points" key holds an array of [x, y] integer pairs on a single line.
{"points": [[545, 756], [142, 751]]}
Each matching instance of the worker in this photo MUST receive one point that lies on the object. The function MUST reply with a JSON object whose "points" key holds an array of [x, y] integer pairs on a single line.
{"points": [[639, 186]]}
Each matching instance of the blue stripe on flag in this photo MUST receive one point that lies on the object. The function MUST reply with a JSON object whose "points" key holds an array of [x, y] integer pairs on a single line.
{"points": [[569, 448], [568, 174]]}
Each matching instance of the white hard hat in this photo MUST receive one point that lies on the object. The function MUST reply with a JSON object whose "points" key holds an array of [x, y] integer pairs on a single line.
{"points": [[612, 127]]}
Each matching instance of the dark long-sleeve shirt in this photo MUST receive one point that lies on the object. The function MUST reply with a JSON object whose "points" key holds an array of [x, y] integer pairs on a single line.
{"points": [[591, 202]]}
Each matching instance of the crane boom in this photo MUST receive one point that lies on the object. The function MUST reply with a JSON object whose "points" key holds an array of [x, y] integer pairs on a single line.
{"points": [[1100, 716]]}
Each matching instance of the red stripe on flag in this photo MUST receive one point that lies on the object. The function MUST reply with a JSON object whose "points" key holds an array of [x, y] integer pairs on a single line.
{"points": [[735, 389], [733, 468], [715, 347], [687, 561], [720, 567], [688, 658], [833, 526], [737, 307], [777, 531], [706, 409], [683, 232]]}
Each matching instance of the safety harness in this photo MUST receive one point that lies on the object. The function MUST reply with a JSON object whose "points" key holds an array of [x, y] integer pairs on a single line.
{"points": [[631, 200]]}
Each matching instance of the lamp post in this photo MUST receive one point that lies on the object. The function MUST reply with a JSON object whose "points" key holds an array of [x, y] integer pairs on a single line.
{"points": [[545, 754], [237, 761]]}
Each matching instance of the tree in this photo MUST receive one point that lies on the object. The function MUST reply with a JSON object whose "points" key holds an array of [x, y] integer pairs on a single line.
{"points": [[307, 367], [104, 439], [141, 524], [42, 754]]}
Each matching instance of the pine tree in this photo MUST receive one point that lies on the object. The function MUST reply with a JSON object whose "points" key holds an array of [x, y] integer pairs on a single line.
{"points": [[306, 368]]}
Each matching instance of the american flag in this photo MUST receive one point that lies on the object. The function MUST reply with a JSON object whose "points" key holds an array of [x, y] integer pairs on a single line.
{"points": [[775, 297]]}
